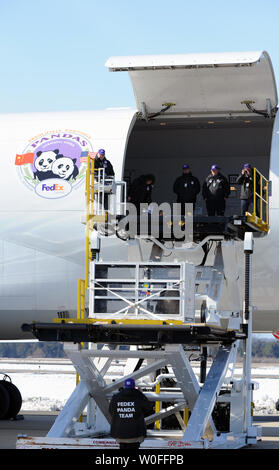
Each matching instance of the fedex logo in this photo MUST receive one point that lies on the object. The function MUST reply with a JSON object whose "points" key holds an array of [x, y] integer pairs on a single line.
{"points": [[50, 189], [54, 187]]}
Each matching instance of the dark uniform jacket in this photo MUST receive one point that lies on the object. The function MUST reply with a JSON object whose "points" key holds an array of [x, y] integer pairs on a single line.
{"points": [[140, 192], [187, 187], [247, 185], [216, 187], [128, 409], [104, 164]]}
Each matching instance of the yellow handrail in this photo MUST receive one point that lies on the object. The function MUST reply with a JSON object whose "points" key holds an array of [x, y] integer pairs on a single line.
{"points": [[263, 185], [89, 213], [267, 213], [87, 193], [80, 315], [81, 300]]}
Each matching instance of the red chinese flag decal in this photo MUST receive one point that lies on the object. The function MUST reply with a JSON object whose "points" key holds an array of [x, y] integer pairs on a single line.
{"points": [[25, 158], [92, 154]]}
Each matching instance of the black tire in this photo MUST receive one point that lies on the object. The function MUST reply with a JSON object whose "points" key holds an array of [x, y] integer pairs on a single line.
{"points": [[4, 401], [15, 399]]}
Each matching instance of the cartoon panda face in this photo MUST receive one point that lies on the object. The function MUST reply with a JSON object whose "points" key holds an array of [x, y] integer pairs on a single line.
{"points": [[44, 160], [63, 167]]}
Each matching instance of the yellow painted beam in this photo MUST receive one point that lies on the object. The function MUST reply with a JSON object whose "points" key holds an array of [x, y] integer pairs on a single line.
{"points": [[157, 407]]}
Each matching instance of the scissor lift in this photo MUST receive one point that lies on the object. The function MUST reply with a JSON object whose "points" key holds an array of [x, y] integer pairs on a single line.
{"points": [[142, 341], [147, 321]]}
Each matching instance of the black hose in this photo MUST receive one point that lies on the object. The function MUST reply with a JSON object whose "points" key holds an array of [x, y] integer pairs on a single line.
{"points": [[203, 364], [151, 116], [262, 113]]}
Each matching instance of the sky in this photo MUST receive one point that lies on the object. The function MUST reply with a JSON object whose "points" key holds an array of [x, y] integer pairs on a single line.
{"points": [[53, 52]]}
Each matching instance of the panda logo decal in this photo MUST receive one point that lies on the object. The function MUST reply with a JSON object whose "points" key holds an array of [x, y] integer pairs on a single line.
{"points": [[54, 164], [43, 164], [65, 167]]}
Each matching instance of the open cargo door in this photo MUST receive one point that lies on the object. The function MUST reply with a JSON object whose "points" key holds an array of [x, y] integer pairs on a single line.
{"points": [[200, 83]]}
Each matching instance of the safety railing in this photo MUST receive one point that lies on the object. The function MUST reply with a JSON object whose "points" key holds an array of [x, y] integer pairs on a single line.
{"points": [[80, 316], [89, 194], [157, 406], [142, 291], [81, 300], [261, 189], [95, 211], [103, 195], [260, 215]]}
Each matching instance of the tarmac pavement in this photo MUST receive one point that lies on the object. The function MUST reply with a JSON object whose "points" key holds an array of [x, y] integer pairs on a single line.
{"points": [[38, 424]]}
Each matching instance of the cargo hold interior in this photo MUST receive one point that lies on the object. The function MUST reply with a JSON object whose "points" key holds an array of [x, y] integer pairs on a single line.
{"points": [[161, 146]]}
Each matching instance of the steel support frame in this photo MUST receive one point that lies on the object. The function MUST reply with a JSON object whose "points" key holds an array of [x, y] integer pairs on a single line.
{"points": [[207, 397], [200, 431], [92, 366]]}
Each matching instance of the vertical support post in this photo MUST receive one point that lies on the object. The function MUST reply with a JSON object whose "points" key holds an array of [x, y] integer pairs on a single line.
{"points": [[247, 320], [80, 315], [90, 192], [79, 300], [203, 364], [186, 416], [137, 276], [267, 203], [254, 195], [157, 406], [82, 311], [261, 207], [87, 242]]}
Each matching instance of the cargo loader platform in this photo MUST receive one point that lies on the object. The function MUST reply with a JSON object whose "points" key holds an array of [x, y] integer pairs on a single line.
{"points": [[230, 227], [136, 333], [154, 317]]}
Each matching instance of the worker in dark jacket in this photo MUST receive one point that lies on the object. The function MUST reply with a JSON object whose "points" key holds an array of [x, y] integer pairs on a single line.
{"points": [[186, 187], [128, 409], [102, 162], [246, 179], [141, 190], [215, 191]]}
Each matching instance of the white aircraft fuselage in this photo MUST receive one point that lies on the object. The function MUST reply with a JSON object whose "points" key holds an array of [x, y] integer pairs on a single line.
{"points": [[43, 161]]}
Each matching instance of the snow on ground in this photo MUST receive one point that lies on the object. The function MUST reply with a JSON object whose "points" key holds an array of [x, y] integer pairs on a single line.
{"points": [[46, 387], [266, 397], [44, 392]]}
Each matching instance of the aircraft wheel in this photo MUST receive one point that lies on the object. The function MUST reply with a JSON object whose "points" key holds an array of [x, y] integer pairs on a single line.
{"points": [[15, 399], [4, 401]]}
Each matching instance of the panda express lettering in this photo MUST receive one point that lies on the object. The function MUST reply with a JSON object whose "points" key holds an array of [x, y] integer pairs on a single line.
{"points": [[54, 187]]}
